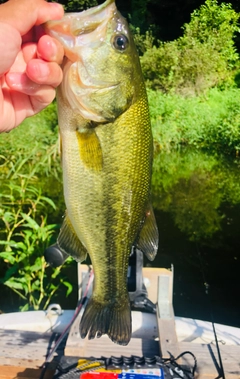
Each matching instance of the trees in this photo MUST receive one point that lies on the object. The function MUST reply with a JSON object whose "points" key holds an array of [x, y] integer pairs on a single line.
{"points": [[167, 15], [205, 56]]}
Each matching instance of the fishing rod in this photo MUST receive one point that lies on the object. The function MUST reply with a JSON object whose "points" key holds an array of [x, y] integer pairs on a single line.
{"points": [[66, 330]]}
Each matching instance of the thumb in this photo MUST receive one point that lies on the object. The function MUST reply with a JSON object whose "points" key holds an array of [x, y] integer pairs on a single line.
{"points": [[24, 14]]}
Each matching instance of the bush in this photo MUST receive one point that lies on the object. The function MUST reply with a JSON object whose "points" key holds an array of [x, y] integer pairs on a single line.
{"points": [[211, 122], [204, 57]]}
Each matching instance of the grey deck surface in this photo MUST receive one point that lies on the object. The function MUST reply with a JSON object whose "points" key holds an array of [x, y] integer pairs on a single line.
{"points": [[29, 349], [18, 348]]}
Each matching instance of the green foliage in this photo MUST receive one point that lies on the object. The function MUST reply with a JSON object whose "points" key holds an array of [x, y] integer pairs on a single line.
{"points": [[50, 118], [138, 12], [72, 5], [79, 5], [143, 42], [204, 57], [211, 122], [25, 234], [31, 185], [31, 151], [76, 5]]}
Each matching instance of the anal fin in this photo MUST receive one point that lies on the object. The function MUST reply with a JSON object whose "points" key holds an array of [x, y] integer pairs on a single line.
{"points": [[148, 238], [69, 243]]}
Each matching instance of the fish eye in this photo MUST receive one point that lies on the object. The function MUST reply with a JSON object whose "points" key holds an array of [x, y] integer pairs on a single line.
{"points": [[120, 42]]}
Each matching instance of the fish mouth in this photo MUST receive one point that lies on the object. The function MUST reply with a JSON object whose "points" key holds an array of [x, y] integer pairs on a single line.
{"points": [[80, 29], [80, 33]]}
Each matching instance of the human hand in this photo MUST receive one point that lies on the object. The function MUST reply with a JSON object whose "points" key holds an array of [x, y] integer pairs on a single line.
{"points": [[29, 65]]}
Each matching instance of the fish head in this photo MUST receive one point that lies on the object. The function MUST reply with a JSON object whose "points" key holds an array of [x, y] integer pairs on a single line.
{"points": [[101, 65]]}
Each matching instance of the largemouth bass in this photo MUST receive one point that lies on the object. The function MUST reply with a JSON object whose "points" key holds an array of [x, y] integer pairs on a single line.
{"points": [[106, 145]]}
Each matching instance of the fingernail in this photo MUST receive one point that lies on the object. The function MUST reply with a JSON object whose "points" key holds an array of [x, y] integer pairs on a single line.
{"points": [[53, 50]]}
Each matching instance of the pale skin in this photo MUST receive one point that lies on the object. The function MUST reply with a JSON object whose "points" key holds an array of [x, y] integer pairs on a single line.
{"points": [[29, 60]]}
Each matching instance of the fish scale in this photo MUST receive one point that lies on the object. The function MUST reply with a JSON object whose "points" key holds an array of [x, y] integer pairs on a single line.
{"points": [[107, 159]]}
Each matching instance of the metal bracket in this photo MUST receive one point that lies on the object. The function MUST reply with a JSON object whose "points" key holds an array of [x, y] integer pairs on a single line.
{"points": [[165, 295]]}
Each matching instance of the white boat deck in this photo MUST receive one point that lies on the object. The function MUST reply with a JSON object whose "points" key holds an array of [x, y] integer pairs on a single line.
{"points": [[22, 352]]}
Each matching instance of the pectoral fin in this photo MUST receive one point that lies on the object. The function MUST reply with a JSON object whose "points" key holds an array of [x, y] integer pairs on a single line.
{"points": [[90, 149], [69, 243], [148, 237]]}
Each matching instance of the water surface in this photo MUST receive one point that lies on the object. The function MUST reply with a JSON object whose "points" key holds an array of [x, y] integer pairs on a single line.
{"points": [[196, 196]]}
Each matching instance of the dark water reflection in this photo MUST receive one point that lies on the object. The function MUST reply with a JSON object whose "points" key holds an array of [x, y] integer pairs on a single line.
{"points": [[196, 197]]}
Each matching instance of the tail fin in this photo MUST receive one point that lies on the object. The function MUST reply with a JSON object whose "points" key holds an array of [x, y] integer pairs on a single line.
{"points": [[103, 318]]}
